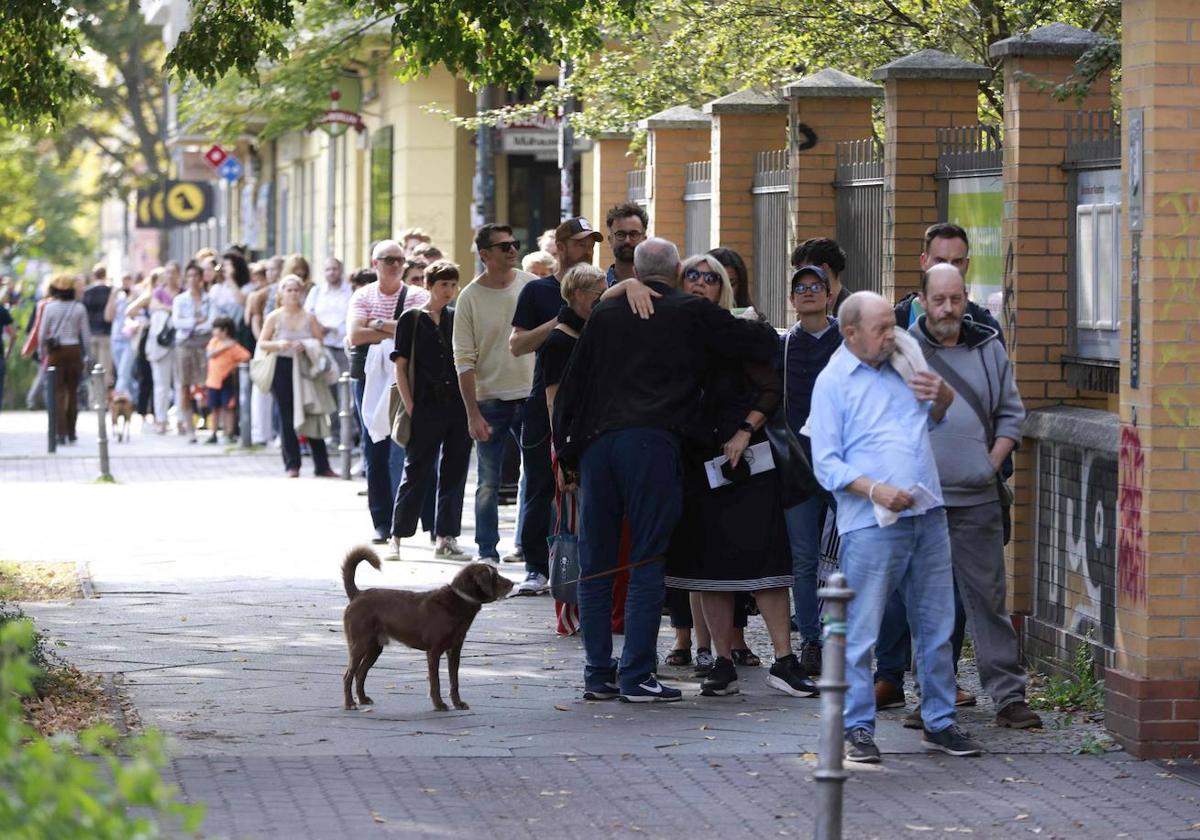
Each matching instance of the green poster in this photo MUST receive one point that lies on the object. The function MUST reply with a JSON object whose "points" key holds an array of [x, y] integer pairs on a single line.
{"points": [[977, 205]]}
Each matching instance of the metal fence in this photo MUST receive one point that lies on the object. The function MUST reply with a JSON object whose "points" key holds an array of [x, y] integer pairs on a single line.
{"points": [[770, 193], [858, 185], [635, 186], [697, 207], [966, 151]]}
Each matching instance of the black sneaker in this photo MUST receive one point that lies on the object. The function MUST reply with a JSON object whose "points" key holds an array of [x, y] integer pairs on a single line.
{"points": [[860, 747], [721, 680], [788, 676], [810, 658], [605, 688], [951, 741], [651, 691], [704, 662]]}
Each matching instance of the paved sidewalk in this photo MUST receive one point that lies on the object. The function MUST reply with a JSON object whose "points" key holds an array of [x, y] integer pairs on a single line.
{"points": [[219, 612]]}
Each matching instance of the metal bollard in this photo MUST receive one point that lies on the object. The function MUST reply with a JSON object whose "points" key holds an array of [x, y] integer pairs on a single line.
{"points": [[101, 406], [830, 773], [245, 394], [50, 381], [346, 419]]}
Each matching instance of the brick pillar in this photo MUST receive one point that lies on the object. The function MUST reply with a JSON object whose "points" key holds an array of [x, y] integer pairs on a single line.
{"points": [[823, 109], [1152, 702], [610, 161], [1034, 242], [674, 138], [744, 123], [923, 92]]}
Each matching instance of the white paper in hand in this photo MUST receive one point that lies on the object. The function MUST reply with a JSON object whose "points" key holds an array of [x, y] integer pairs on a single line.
{"points": [[923, 500]]}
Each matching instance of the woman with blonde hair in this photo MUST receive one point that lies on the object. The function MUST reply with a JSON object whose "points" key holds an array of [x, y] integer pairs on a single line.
{"points": [[284, 333]]}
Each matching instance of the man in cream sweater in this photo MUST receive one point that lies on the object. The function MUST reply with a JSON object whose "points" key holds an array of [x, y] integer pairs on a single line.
{"points": [[494, 383]]}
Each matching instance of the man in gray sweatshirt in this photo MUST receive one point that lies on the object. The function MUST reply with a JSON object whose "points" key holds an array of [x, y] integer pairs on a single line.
{"points": [[980, 429]]}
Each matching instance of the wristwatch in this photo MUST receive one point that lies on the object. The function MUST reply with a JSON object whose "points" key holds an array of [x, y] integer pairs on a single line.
{"points": [[378, 324], [746, 426]]}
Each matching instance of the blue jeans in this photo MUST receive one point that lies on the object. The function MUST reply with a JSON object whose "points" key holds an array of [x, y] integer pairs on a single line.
{"points": [[631, 474], [804, 534], [124, 355], [913, 556], [384, 462], [893, 650], [504, 416]]}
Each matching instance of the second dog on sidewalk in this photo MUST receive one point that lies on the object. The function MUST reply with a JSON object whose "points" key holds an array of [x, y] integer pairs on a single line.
{"points": [[435, 622]]}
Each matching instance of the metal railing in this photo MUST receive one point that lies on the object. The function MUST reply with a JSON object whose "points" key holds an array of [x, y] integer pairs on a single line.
{"points": [[770, 196], [697, 207], [966, 150], [635, 185], [858, 184], [1093, 139]]}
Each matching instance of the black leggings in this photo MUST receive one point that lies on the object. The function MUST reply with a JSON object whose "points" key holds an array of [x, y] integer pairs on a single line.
{"points": [[281, 387]]}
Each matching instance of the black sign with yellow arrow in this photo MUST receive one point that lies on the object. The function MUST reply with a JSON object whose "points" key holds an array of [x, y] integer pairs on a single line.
{"points": [[174, 204]]}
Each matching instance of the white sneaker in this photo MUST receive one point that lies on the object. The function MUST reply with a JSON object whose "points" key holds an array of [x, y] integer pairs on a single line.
{"points": [[515, 556], [534, 584], [448, 549]]}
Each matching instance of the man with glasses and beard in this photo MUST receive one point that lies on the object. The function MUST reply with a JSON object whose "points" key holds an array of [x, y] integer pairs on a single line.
{"points": [[374, 310], [494, 382], [535, 316], [627, 224]]}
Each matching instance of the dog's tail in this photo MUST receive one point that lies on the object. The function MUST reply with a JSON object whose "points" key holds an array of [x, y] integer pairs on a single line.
{"points": [[353, 558]]}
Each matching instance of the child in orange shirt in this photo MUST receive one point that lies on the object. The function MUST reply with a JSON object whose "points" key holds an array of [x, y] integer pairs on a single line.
{"points": [[224, 355]]}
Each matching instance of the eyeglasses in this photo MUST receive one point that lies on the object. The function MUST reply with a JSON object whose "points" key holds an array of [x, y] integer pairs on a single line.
{"points": [[710, 278], [802, 288], [628, 235], [506, 245], [391, 259]]}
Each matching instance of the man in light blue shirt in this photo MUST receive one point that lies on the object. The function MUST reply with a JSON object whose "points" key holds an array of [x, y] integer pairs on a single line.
{"points": [[870, 441]]}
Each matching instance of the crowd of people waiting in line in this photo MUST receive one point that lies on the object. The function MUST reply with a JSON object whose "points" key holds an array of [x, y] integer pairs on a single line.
{"points": [[696, 451]]}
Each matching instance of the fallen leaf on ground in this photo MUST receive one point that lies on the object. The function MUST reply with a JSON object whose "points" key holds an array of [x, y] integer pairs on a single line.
{"points": [[918, 827], [562, 708], [377, 818]]}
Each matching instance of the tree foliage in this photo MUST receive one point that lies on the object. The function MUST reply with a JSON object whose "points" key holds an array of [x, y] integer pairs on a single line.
{"points": [[39, 201], [39, 71], [485, 41]]}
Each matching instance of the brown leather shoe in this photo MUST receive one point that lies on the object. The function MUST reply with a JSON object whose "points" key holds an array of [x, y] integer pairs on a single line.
{"points": [[888, 696], [962, 697], [1018, 716]]}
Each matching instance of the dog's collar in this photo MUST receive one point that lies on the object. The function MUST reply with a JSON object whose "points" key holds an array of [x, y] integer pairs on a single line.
{"points": [[465, 596]]}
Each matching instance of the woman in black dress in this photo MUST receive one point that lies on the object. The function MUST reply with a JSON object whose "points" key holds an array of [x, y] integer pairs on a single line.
{"points": [[732, 538]]}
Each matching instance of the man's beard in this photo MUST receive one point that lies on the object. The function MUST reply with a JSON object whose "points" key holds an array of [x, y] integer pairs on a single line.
{"points": [[624, 253], [944, 328]]}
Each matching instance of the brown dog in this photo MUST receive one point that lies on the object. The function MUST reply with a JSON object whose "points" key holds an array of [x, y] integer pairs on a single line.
{"points": [[120, 408], [435, 622]]}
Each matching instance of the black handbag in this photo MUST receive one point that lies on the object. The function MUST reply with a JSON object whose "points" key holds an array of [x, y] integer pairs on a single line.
{"points": [[564, 560], [166, 336]]}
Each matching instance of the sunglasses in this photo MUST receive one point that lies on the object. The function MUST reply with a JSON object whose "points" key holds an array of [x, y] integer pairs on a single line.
{"points": [[802, 288], [507, 245], [391, 260], [710, 278]]}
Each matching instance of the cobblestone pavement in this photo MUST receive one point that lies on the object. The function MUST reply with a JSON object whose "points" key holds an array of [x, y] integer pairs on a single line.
{"points": [[218, 612]]}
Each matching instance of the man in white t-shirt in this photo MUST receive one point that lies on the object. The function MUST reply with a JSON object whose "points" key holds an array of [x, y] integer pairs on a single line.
{"points": [[372, 319], [329, 301], [494, 383]]}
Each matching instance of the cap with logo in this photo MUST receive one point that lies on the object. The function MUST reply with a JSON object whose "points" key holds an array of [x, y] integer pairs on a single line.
{"points": [[577, 228], [814, 270]]}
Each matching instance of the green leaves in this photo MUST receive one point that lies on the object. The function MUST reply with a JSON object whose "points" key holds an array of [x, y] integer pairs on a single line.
{"points": [[38, 49], [55, 787]]}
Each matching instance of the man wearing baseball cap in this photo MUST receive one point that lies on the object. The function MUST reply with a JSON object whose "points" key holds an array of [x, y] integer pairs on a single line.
{"points": [[536, 315]]}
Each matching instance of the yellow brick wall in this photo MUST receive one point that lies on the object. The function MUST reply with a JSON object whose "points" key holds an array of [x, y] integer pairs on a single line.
{"points": [[669, 151]]}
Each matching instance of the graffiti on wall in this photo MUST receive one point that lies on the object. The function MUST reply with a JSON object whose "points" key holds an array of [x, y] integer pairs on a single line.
{"points": [[1076, 551], [1131, 549]]}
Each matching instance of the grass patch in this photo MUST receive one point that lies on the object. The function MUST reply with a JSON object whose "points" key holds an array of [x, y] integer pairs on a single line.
{"points": [[38, 581], [1078, 691]]}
